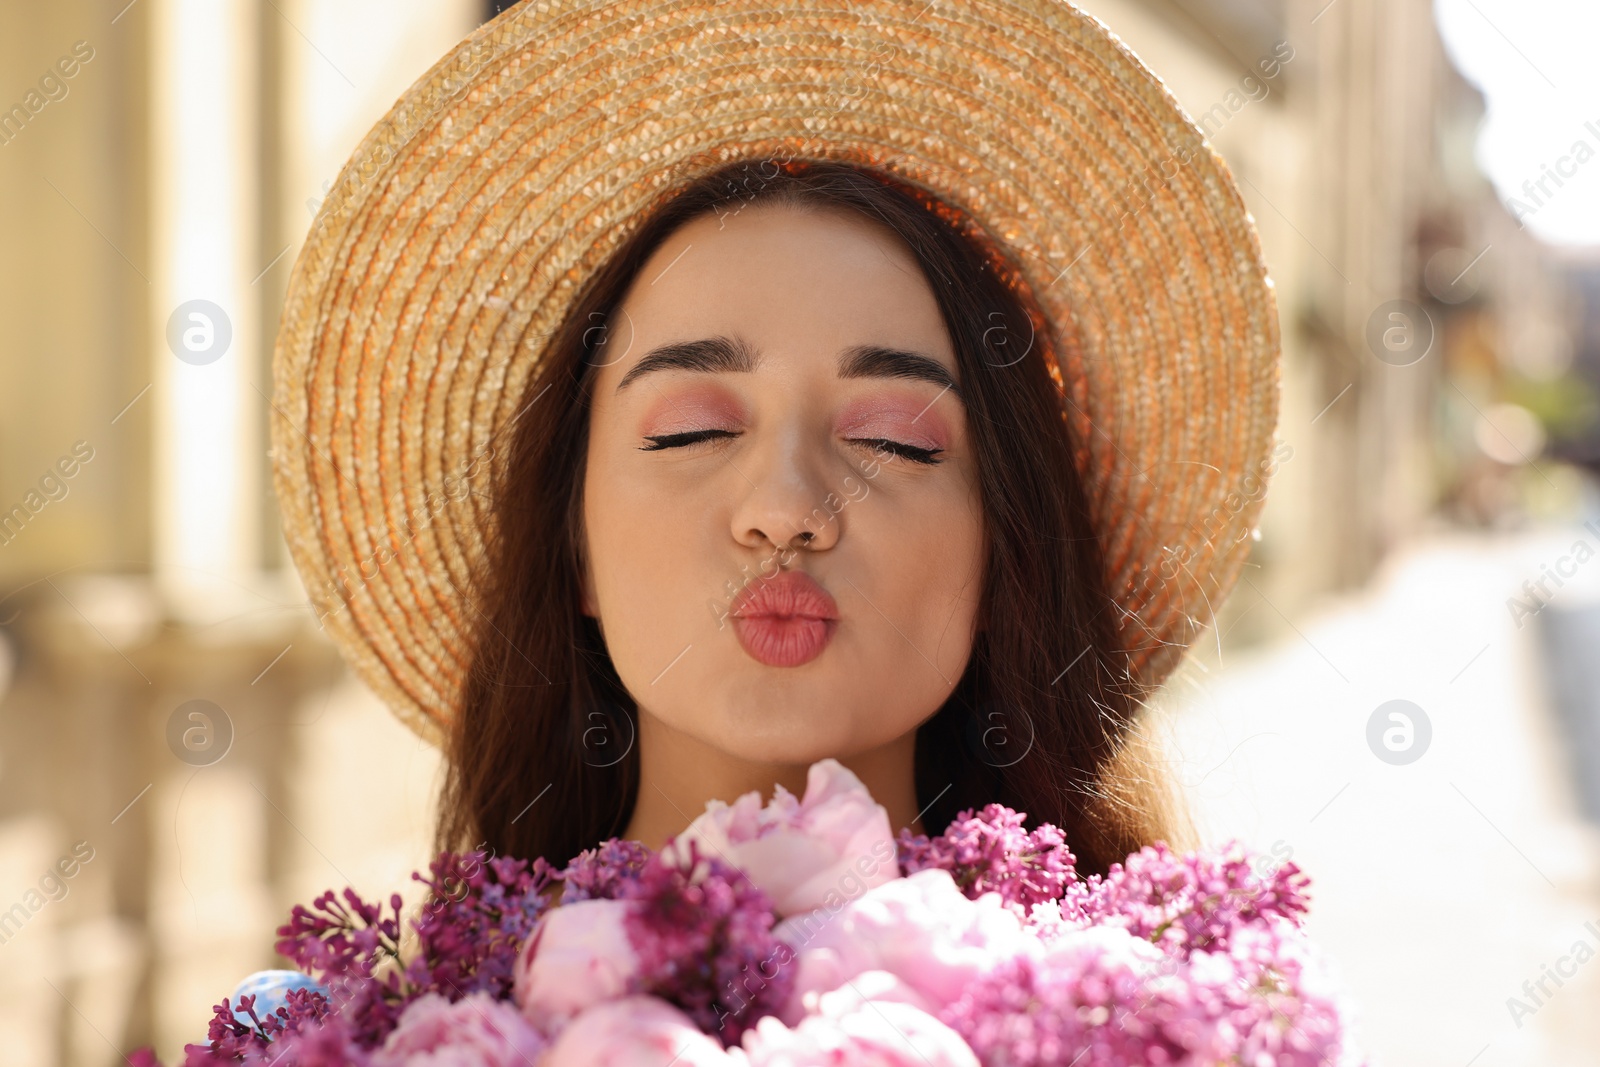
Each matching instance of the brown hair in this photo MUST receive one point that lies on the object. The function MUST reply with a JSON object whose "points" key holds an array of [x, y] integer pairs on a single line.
{"points": [[1044, 720]]}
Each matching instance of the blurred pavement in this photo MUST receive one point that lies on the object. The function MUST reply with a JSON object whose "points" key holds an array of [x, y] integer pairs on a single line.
{"points": [[1440, 886]]}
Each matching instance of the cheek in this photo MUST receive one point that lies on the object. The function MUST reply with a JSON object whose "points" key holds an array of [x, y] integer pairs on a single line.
{"points": [[647, 553], [627, 529], [928, 551], [917, 565]]}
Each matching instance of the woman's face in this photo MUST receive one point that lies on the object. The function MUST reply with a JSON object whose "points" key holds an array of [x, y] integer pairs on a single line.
{"points": [[802, 393]]}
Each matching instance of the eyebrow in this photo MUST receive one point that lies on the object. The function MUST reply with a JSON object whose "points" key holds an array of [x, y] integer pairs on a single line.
{"points": [[710, 355]]}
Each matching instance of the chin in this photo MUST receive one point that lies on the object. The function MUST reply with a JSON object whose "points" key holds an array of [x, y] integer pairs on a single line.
{"points": [[784, 727]]}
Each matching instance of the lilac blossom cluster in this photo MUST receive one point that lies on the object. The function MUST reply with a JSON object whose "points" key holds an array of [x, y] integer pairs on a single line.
{"points": [[698, 942], [604, 872], [991, 852], [1099, 1001], [479, 911], [1198, 901]]}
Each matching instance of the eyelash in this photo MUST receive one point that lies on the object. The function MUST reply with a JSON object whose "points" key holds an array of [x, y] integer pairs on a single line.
{"points": [[691, 437]]}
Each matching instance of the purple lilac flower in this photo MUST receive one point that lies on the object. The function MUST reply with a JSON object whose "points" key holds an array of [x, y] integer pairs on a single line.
{"points": [[1191, 902], [991, 852], [607, 871], [346, 941], [1287, 1008], [1094, 1002], [307, 1014], [705, 944], [337, 937], [478, 912], [269, 986], [330, 1044], [1068, 1008], [229, 1038], [232, 1038]]}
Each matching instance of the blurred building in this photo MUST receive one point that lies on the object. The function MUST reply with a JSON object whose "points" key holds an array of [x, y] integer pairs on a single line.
{"points": [[165, 698], [1419, 321], [171, 705]]}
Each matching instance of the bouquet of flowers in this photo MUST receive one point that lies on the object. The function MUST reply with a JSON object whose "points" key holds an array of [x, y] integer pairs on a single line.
{"points": [[800, 933]]}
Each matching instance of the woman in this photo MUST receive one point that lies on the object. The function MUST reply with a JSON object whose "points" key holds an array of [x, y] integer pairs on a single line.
{"points": [[672, 395], [793, 499]]}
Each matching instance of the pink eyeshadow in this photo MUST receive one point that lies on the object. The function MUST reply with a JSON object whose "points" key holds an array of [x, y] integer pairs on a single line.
{"points": [[694, 408], [886, 417]]}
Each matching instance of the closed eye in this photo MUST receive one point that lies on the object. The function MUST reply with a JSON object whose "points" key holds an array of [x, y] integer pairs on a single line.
{"points": [[678, 440], [905, 451], [876, 444]]}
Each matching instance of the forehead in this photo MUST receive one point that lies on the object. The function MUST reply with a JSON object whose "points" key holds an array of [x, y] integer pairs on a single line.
{"points": [[795, 281]]}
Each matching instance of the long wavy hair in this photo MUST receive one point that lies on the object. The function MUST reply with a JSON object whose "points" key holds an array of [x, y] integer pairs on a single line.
{"points": [[541, 759]]}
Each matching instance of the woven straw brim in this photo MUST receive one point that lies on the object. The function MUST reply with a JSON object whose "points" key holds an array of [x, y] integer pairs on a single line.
{"points": [[468, 219]]}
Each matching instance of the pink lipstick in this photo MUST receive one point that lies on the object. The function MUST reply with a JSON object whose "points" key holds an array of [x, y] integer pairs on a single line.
{"points": [[786, 620]]}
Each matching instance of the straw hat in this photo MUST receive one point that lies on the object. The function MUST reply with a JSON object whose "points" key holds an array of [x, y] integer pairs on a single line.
{"points": [[468, 219]]}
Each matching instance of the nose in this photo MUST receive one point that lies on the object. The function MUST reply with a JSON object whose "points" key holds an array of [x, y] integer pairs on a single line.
{"points": [[789, 503]]}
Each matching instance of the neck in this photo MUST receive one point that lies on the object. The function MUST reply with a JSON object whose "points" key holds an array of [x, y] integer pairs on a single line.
{"points": [[679, 774]]}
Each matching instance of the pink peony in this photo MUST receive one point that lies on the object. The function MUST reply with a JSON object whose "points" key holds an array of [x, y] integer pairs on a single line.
{"points": [[920, 928], [877, 986], [578, 956], [638, 1031], [819, 851], [475, 1031], [865, 1023]]}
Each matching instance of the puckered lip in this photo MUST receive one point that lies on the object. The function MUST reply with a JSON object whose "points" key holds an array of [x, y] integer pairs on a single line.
{"points": [[788, 595]]}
